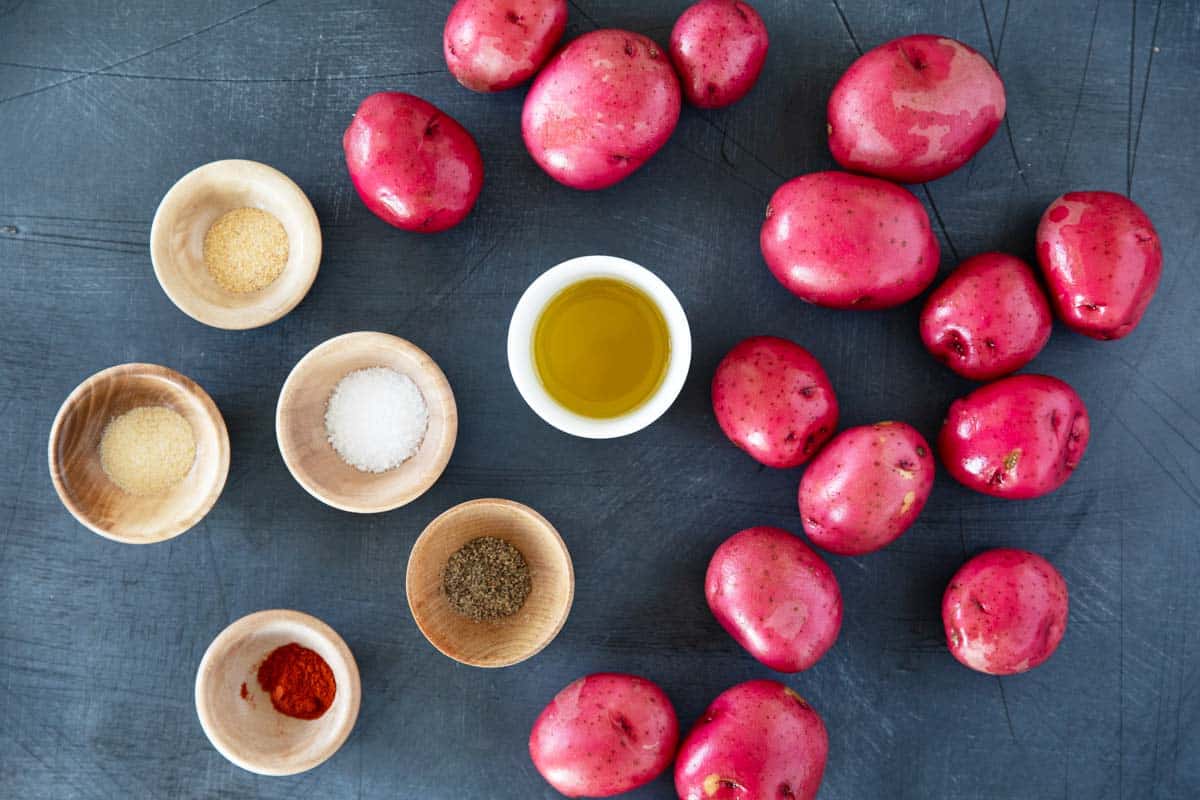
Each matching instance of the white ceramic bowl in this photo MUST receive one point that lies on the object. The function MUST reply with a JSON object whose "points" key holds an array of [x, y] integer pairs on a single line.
{"points": [[249, 731], [520, 346]]}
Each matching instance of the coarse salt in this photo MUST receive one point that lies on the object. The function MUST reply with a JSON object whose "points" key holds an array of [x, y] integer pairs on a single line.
{"points": [[376, 419]]}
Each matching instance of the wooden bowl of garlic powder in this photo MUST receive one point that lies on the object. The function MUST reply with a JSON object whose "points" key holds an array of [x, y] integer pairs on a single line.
{"points": [[236, 244]]}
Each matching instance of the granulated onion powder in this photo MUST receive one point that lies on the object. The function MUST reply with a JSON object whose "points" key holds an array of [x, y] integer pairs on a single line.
{"points": [[376, 419]]}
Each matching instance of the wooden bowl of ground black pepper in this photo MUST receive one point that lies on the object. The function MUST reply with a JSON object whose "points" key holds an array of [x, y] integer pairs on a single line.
{"points": [[235, 244], [138, 453], [490, 583]]}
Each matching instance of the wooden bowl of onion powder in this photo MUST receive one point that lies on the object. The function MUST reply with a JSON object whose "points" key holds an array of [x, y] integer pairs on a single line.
{"points": [[366, 422], [138, 453], [236, 244]]}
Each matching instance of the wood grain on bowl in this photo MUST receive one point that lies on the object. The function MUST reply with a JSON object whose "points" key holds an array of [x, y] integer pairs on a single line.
{"points": [[188, 212], [304, 442], [237, 714], [80, 480], [508, 640]]}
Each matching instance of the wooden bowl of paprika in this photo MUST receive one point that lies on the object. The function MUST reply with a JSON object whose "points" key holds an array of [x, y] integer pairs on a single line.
{"points": [[448, 611], [278, 692]]}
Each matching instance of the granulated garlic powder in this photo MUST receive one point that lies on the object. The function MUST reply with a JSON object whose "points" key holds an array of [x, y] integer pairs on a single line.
{"points": [[245, 250]]}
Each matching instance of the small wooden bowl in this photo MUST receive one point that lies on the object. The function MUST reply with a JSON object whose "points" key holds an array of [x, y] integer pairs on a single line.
{"points": [[507, 641], [89, 494], [300, 423], [191, 207], [248, 730]]}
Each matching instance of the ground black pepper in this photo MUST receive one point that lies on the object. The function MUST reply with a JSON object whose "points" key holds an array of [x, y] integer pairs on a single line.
{"points": [[487, 578]]}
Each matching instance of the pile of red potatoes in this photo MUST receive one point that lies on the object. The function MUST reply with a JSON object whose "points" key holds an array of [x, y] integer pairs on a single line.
{"points": [[909, 111]]}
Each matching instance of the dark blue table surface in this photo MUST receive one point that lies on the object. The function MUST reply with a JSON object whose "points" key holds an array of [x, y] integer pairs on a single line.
{"points": [[104, 105]]}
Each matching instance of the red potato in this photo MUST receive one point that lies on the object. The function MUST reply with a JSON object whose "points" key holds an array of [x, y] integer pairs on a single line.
{"points": [[775, 596], [1018, 438], [1005, 612], [772, 399], [1102, 260], [914, 109], [492, 45], [718, 47], [989, 318], [604, 734], [849, 241], [757, 741], [600, 108], [413, 165], [866, 487]]}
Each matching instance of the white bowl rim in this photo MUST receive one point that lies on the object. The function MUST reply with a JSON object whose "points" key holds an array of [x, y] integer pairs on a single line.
{"points": [[520, 346]]}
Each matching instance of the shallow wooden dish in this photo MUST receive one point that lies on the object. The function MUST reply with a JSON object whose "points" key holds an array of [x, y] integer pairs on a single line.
{"points": [[506, 641], [191, 207], [85, 489], [300, 423], [249, 731]]}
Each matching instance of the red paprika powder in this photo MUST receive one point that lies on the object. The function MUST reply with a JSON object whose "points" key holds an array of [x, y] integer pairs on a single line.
{"points": [[298, 680]]}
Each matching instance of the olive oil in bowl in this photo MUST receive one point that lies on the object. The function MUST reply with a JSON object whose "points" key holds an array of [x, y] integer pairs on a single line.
{"points": [[601, 347]]}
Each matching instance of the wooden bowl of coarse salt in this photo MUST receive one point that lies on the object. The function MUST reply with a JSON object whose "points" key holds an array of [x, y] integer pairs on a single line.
{"points": [[138, 453], [366, 422], [235, 244]]}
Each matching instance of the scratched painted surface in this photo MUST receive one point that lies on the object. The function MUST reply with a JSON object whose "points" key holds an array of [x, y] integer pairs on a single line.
{"points": [[103, 106]]}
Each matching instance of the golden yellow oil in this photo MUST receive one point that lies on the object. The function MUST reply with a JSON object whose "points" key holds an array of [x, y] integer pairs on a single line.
{"points": [[601, 347]]}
